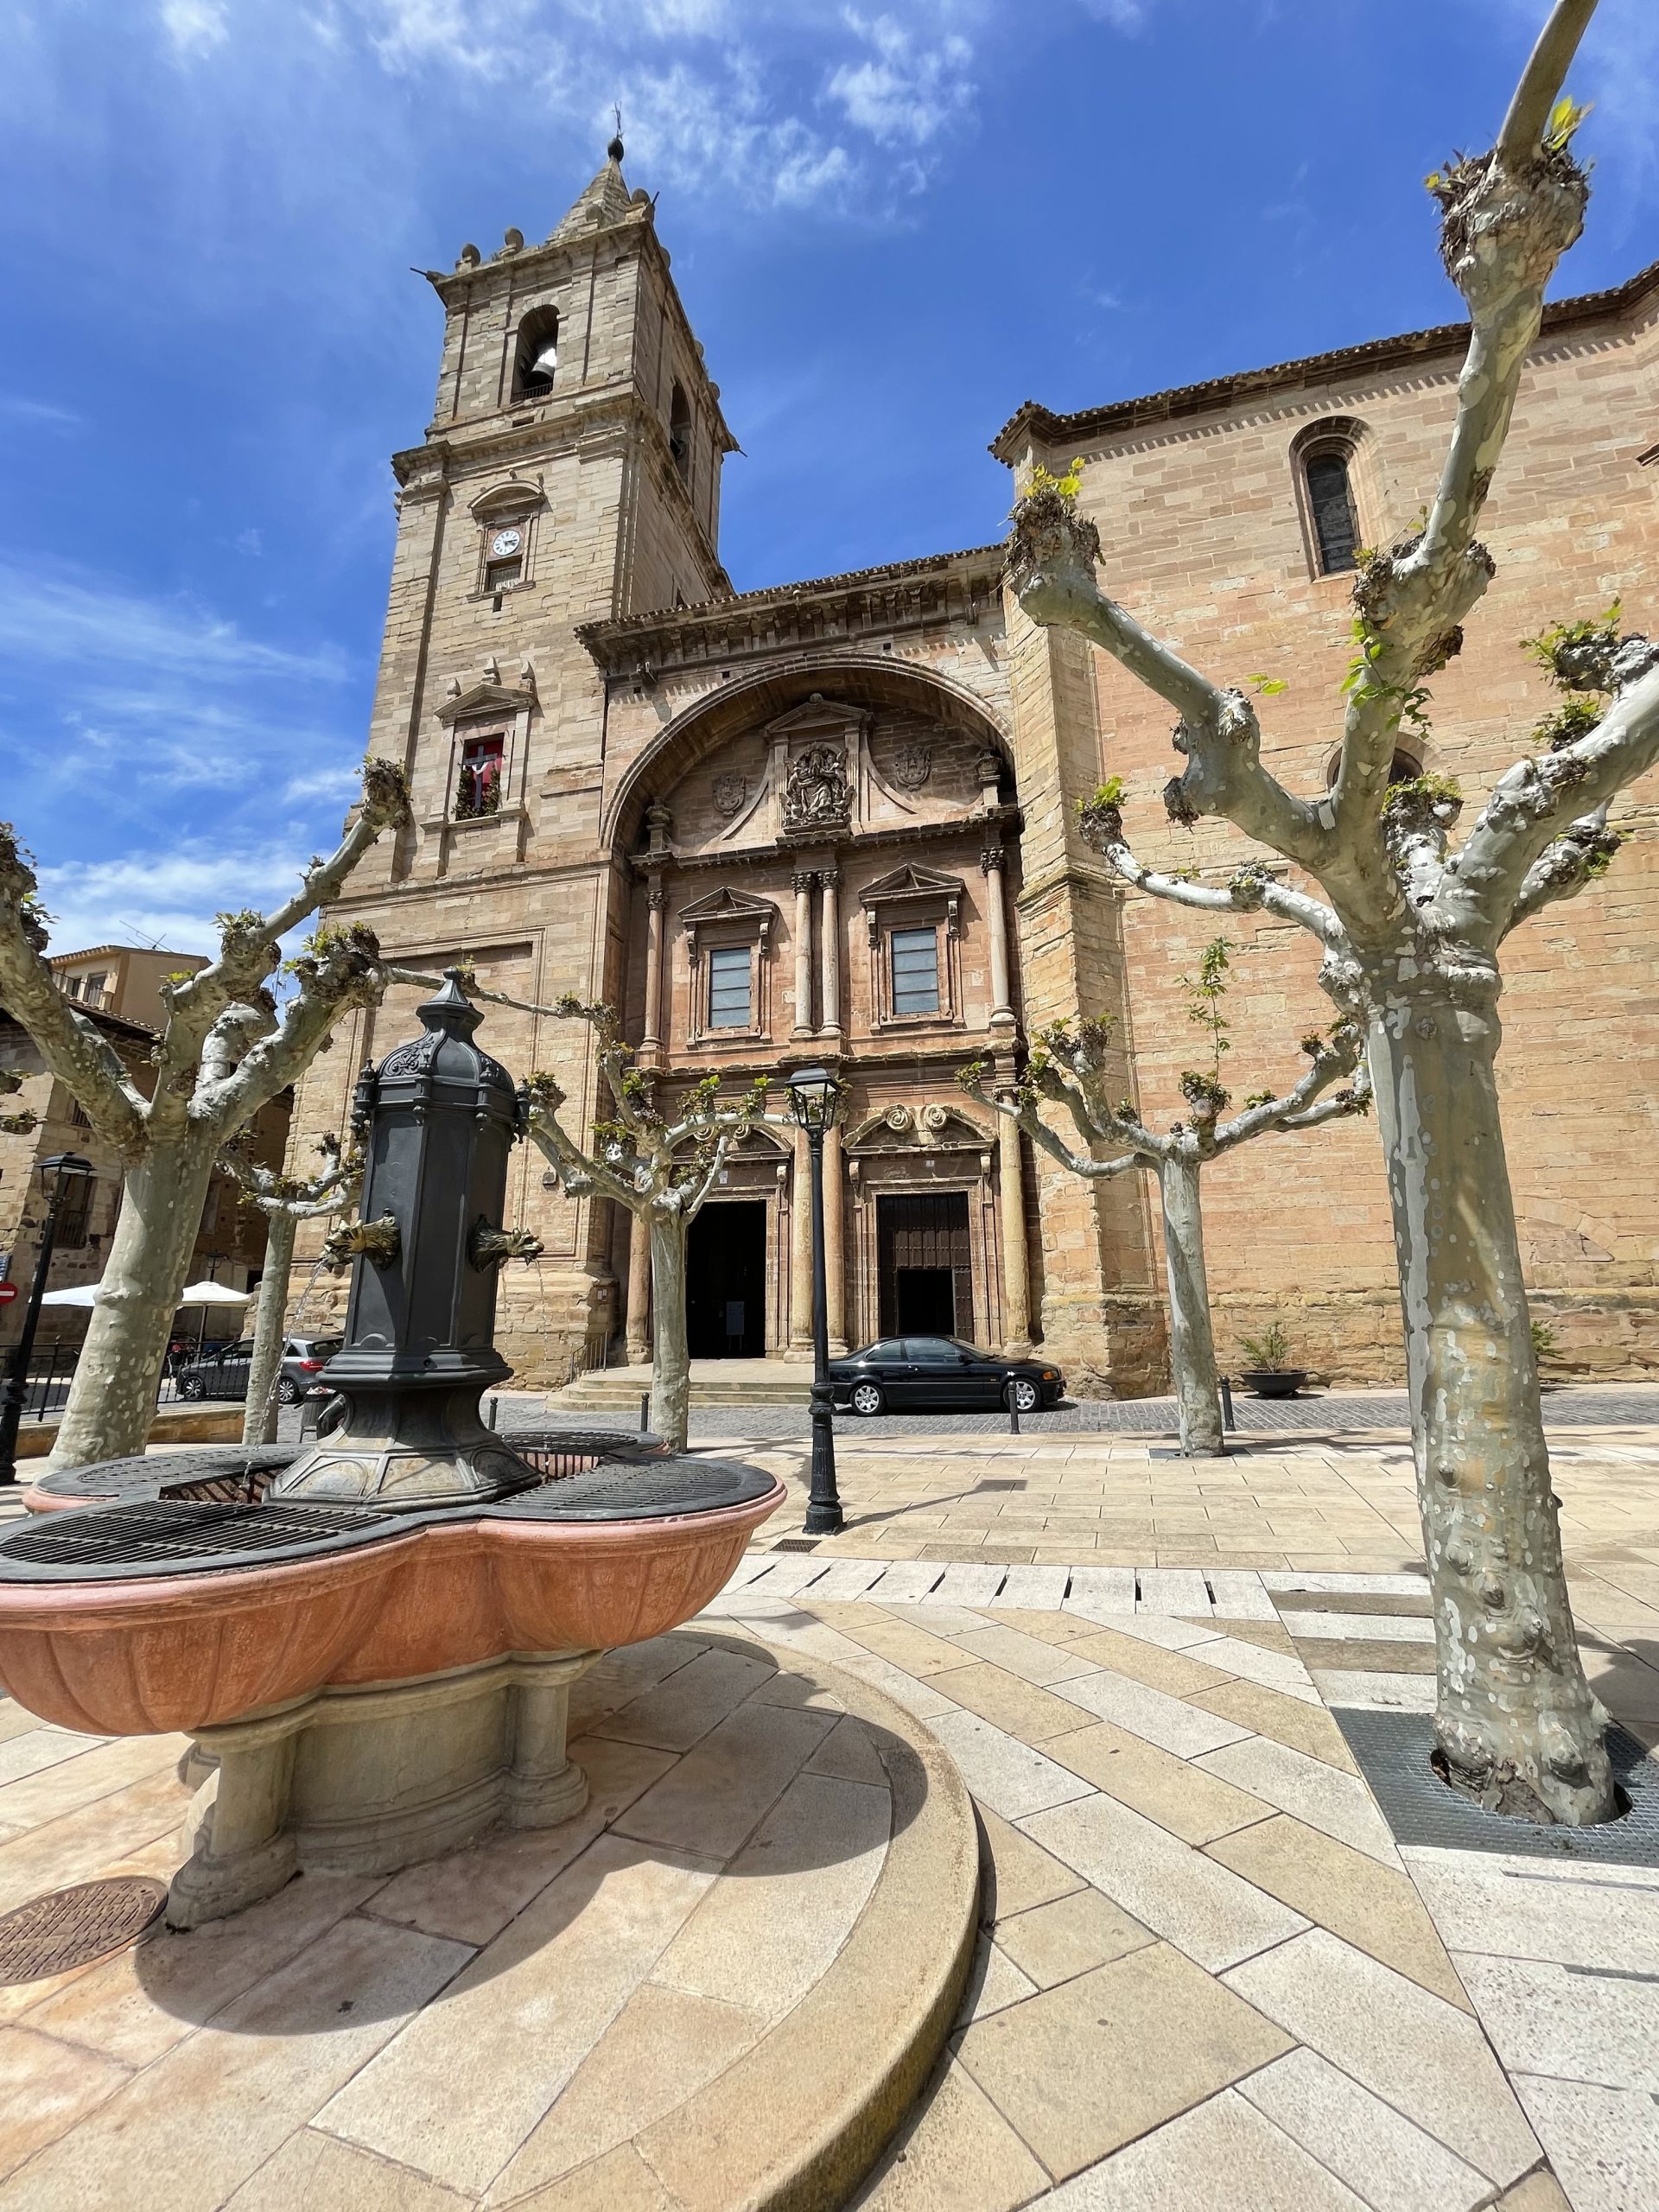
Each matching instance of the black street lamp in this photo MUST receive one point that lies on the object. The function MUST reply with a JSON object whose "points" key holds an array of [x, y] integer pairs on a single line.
{"points": [[814, 1095], [59, 1175]]}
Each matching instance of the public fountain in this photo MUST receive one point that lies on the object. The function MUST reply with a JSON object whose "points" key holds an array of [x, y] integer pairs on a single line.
{"points": [[373, 1638]]}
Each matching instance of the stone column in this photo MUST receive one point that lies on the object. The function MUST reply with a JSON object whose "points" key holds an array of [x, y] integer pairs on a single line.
{"points": [[543, 1786], [639, 1328], [992, 861], [1011, 1213], [830, 975], [835, 1248], [656, 900], [800, 1257], [802, 881]]}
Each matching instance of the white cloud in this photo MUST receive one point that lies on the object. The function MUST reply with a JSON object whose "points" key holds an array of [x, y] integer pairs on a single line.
{"points": [[194, 26], [78, 623], [906, 90], [38, 414], [341, 783], [169, 895]]}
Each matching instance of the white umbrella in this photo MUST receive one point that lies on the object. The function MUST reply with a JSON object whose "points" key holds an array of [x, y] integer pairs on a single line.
{"points": [[212, 1293], [86, 1293]]}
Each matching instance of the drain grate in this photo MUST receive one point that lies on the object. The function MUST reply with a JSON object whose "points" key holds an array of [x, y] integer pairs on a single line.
{"points": [[74, 1927], [1392, 1751]]}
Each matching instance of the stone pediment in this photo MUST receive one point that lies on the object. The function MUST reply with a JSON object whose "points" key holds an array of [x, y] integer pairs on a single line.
{"points": [[817, 715], [486, 699], [502, 501], [729, 906], [912, 881], [927, 1129]]}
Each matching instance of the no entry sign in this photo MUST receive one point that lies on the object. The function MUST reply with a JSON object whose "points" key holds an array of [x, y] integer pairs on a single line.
{"points": [[8, 1292]]}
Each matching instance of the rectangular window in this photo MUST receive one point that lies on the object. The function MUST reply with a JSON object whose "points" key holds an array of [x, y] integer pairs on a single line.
{"points": [[501, 575], [916, 971], [478, 787], [730, 998], [75, 1213]]}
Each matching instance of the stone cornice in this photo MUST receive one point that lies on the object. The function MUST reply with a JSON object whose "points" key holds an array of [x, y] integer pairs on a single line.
{"points": [[826, 611], [1035, 423], [774, 853]]}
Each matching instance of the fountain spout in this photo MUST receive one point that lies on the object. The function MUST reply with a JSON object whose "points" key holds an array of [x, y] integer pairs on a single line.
{"points": [[439, 1119]]}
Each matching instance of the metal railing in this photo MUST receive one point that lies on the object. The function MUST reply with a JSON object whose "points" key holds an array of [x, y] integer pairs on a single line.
{"points": [[52, 1370]]}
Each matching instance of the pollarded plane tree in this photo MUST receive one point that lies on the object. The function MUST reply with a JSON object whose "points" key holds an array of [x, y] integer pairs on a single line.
{"points": [[661, 1168], [1069, 1068], [285, 1201], [1412, 929], [224, 1051]]}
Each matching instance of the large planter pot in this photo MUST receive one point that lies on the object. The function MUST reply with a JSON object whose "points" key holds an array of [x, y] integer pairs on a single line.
{"points": [[1274, 1382]]}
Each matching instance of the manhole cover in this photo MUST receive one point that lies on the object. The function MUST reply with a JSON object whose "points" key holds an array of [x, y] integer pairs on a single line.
{"points": [[72, 1928]]}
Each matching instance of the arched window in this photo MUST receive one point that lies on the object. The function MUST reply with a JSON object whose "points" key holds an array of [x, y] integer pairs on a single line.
{"points": [[536, 359], [1330, 509], [1403, 768], [679, 433]]}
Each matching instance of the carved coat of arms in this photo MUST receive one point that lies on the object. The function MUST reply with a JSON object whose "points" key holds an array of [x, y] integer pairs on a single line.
{"points": [[816, 794], [911, 765], [730, 792]]}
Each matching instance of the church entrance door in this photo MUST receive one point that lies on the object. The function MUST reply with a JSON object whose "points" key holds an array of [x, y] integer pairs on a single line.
{"points": [[725, 1281], [925, 1269]]}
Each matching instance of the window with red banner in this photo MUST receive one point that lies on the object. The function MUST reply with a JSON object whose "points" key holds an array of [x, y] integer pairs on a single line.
{"points": [[478, 786]]}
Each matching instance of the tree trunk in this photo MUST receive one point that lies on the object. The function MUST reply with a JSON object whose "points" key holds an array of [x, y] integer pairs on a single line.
{"points": [[1516, 1721], [112, 1398], [670, 1362], [1192, 1343], [260, 1416]]}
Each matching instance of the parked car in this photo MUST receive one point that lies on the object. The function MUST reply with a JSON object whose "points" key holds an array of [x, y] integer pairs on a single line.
{"points": [[224, 1373], [928, 1372]]}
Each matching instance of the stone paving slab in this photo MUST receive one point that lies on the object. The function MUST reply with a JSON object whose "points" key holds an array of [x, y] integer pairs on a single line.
{"points": [[776, 1911]]}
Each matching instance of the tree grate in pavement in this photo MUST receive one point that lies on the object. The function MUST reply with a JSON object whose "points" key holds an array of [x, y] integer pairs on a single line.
{"points": [[76, 1927], [1392, 1749]]}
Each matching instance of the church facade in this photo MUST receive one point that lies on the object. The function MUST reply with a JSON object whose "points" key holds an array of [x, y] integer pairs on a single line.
{"points": [[833, 822]]}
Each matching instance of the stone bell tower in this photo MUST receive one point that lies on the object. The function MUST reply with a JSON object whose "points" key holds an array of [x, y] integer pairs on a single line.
{"points": [[570, 474]]}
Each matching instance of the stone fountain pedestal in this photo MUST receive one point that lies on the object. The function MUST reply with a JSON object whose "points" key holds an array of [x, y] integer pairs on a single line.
{"points": [[372, 1640], [366, 1778]]}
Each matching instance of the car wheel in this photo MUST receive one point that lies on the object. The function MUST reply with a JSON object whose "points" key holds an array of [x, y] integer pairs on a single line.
{"points": [[289, 1393], [1026, 1395], [865, 1399], [192, 1386]]}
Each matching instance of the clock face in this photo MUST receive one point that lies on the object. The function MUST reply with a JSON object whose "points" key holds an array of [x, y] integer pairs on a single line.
{"points": [[504, 542]]}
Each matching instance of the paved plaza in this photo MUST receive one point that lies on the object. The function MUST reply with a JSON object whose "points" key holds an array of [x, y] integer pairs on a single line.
{"points": [[1206, 1974]]}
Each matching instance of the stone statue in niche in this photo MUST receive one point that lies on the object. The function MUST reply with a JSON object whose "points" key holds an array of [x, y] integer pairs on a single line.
{"points": [[912, 764], [730, 792], [815, 793]]}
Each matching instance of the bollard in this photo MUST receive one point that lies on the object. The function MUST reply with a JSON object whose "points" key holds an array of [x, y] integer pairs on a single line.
{"points": [[645, 1411], [1013, 1413], [489, 1413], [1227, 1421]]}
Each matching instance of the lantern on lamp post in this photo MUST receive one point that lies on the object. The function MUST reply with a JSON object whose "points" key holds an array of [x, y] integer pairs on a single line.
{"points": [[60, 1175], [814, 1096]]}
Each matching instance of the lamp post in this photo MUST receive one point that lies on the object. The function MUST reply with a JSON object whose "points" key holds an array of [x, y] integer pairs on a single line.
{"points": [[58, 1176], [814, 1095]]}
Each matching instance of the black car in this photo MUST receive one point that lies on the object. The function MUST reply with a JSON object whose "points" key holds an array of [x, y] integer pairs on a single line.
{"points": [[901, 1373], [224, 1373]]}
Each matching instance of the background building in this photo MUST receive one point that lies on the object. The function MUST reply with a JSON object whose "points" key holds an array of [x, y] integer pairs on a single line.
{"points": [[833, 821], [115, 986]]}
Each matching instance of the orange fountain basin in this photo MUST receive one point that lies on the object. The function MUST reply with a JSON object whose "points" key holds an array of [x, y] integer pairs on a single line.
{"points": [[152, 1654]]}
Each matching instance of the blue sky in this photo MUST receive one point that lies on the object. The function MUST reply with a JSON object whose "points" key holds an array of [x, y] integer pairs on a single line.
{"points": [[890, 226]]}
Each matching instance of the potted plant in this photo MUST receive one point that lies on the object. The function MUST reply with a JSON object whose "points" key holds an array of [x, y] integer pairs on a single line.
{"points": [[1270, 1374]]}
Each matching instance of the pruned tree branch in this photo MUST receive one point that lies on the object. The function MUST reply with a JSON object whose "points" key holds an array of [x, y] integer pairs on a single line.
{"points": [[1542, 77], [71, 1043], [1051, 556], [1251, 890]]}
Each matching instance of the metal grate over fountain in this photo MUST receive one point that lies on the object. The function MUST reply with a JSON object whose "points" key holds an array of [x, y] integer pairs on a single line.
{"points": [[182, 1536]]}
